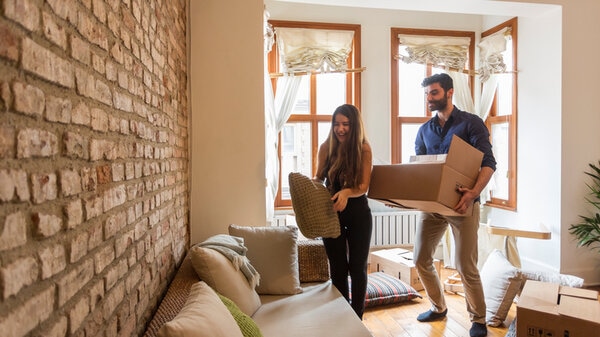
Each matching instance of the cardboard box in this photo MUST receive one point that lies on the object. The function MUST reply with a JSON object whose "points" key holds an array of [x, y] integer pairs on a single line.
{"points": [[550, 310], [428, 183], [398, 262]]}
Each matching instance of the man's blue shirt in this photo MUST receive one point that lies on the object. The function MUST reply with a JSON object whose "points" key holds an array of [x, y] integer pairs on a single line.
{"points": [[433, 139]]}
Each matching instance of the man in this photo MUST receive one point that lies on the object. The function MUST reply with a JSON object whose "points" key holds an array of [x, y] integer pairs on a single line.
{"points": [[434, 138]]}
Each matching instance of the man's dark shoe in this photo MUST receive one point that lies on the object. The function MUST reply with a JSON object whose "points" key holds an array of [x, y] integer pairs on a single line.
{"points": [[478, 330], [430, 316]]}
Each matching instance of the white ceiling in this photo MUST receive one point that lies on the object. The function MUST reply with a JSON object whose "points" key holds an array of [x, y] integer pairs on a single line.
{"points": [[481, 7]]}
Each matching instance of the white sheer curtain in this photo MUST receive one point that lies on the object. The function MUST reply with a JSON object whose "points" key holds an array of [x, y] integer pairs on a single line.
{"points": [[277, 112]]}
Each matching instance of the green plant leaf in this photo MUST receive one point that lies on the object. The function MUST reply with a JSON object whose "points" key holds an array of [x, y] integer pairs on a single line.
{"points": [[587, 232]]}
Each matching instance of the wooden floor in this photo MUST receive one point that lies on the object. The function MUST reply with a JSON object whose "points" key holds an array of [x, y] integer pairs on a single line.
{"points": [[401, 320]]}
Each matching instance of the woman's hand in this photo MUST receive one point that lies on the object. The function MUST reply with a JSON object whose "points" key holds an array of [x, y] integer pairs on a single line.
{"points": [[340, 200]]}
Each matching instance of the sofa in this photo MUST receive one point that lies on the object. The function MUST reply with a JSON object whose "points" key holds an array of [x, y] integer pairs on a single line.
{"points": [[312, 307]]}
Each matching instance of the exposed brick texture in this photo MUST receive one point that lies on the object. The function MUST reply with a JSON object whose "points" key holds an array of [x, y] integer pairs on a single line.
{"points": [[94, 163]]}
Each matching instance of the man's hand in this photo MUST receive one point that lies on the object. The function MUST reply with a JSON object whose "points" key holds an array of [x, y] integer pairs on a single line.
{"points": [[466, 200]]}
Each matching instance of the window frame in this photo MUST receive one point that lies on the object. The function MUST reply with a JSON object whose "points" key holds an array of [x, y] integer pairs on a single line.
{"points": [[495, 118], [353, 88]]}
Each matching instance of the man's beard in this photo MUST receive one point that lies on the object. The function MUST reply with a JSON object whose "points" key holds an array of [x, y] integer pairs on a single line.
{"points": [[438, 105]]}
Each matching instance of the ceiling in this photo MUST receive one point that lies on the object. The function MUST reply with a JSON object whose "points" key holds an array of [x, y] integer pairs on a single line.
{"points": [[481, 7]]}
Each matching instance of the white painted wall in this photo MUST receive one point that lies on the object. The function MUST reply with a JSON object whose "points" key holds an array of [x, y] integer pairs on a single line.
{"points": [[227, 104]]}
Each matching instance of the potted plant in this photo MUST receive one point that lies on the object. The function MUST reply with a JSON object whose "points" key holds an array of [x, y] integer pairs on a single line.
{"points": [[587, 231]]}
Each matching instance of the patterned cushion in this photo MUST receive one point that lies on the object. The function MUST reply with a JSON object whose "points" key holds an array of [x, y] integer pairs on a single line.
{"points": [[313, 208], [383, 289]]}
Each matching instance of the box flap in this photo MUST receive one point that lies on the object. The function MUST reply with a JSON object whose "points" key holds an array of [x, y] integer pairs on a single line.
{"points": [[579, 292], [539, 296], [464, 158], [582, 308]]}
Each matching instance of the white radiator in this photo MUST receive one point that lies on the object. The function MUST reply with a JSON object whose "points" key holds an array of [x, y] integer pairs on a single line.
{"points": [[393, 228]]}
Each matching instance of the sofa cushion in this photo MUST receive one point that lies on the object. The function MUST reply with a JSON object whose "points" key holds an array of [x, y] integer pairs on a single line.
{"points": [[384, 289], [319, 310], [501, 282], [313, 208], [203, 315], [219, 273], [246, 324], [273, 251]]}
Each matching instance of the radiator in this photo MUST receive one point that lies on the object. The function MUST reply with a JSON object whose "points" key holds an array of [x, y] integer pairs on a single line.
{"points": [[393, 228]]}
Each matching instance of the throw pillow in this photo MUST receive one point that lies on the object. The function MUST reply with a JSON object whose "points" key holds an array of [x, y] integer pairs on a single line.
{"points": [[203, 315], [244, 322], [313, 264], [313, 208], [501, 282], [220, 273], [273, 251], [383, 289]]}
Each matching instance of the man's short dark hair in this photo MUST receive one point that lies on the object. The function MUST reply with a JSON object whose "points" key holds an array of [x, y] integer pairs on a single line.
{"points": [[443, 79]]}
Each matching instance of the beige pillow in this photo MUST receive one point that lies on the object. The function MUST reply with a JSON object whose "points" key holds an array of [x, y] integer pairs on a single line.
{"points": [[313, 208], [501, 282], [203, 315], [273, 251], [218, 272]]}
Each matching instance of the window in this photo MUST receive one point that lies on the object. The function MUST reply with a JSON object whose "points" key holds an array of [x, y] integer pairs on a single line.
{"points": [[498, 72], [318, 95], [409, 110], [502, 121]]}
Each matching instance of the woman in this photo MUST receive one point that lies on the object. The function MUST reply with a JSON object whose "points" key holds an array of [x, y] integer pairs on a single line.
{"points": [[344, 164]]}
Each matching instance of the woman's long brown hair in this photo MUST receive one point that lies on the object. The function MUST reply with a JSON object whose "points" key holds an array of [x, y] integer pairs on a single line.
{"points": [[345, 159]]}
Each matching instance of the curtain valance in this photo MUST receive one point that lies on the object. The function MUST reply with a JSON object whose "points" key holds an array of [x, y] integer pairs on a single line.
{"points": [[491, 48], [309, 50], [440, 51]]}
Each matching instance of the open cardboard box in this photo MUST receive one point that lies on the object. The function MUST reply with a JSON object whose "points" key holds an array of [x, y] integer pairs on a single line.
{"points": [[428, 183], [548, 309], [399, 263]]}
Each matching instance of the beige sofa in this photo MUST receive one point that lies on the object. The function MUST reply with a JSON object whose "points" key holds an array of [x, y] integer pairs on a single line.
{"points": [[319, 310]]}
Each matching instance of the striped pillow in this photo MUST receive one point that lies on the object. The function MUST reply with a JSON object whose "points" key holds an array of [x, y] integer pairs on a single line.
{"points": [[384, 289]]}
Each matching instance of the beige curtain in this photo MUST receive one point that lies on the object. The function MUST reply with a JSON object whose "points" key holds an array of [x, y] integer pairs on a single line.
{"points": [[304, 49], [440, 51], [491, 48]]}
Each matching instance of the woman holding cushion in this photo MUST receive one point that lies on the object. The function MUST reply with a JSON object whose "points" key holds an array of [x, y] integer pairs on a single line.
{"points": [[344, 163]]}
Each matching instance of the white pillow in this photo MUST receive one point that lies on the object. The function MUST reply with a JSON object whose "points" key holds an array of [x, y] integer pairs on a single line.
{"points": [[218, 272], [203, 315], [501, 282], [273, 251]]}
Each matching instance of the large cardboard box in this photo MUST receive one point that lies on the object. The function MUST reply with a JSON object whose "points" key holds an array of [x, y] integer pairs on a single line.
{"points": [[398, 262], [550, 310], [428, 183]]}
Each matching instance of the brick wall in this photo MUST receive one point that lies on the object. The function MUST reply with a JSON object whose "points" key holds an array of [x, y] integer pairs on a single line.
{"points": [[93, 163]]}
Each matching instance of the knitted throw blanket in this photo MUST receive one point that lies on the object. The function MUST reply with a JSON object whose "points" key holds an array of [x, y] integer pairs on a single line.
{"points": [[233, 248]]}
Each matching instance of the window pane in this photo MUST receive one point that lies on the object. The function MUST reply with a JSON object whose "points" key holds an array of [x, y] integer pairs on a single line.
{"points": [[505, 94], [411, 102], [302, 105], [324, 128], [499, 184], [296, 154], [409, 133], [331, 92]]}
